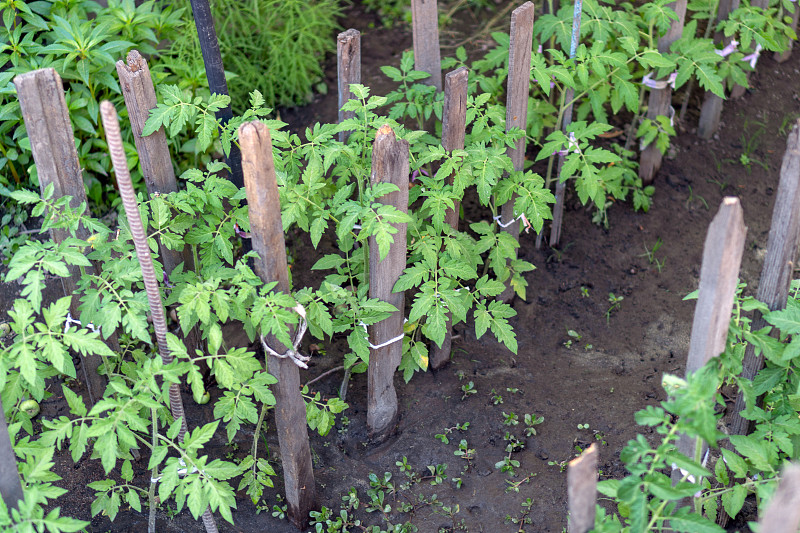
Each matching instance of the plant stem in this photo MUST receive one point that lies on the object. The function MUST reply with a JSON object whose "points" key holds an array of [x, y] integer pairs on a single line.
{"points": [[151, 494]]}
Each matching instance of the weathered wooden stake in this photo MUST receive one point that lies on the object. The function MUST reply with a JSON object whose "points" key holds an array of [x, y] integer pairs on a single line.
{"points": [[348, 54], [712, 105], [582, 490], [783, 512], [660, 99], [739, 90], [776, 274], [215, 73], [719, 275], [519, 84], [390, 165], [10, 486], [561, 186], [44, 109], [425, 29], [782, 57], [454, 120], [140, 98], [267, 237]]}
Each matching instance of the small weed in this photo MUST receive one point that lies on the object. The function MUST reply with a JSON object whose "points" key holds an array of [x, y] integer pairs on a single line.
{"points": [[575, 336], [513, 486], [496, 398], [691, 199], [345, 425], [513, 390], [615, 302], [465, 452], [467, 390], [562, 465], [523, 519], [532, 420], [510, 419], [584, 292], [444, 435], [650, 253], [583, 426]]}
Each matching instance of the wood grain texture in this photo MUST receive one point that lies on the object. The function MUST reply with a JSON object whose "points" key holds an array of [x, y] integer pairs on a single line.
{"points": [[782, 514], [582, 490], [10, 486], [425, 29], [390, 165], [719, 276], [660, 99], [711, 110], [348, 55], [519, 67], [154, 159], [44, 109], [454, 120], [215, 73], [561, 187], [266, 232], [776, 274]]}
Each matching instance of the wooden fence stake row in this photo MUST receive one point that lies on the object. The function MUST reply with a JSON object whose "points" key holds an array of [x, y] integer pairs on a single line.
{"points": [[582, 490], [390, 164], [454, 120], [425, 30], [44, 110], [519, 65], [712, 104], [266, 230], [783, 512], [660, 99], [719, 275], [776, 275], [348, 55]]}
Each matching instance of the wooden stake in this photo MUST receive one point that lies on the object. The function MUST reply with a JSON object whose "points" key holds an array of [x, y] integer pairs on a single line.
{"points": [[660, 99], [140, 98], [390, 165], [267, 237], [44, 109], [582, 490], [561, 186], [776, 275], [519, 66], [215, 73], [783, 512], [10, 486], [348, 54], [425, 29], [782, 57], [719, 275], [454, 120], [712, 105]]}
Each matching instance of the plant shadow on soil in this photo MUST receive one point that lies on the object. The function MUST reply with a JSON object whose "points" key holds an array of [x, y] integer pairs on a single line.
{"points": [[600, 379]]}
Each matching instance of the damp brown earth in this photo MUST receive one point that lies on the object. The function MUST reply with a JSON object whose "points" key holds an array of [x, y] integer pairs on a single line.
{"points": [[586, 384]]}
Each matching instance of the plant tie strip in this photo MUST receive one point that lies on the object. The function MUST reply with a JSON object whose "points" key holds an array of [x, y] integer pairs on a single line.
{"points": [[728, 50], [240, 232], [181, 471], [753, 58], [293, 353], [690, 477], [383, 344], [499, 221], [69, 321], [648, 81], [572, 146]]}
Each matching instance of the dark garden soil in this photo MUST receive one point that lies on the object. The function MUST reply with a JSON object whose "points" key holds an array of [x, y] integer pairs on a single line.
{"points": [[587, 390]]}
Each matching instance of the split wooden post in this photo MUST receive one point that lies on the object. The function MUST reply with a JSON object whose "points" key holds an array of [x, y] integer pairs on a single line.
{"points": [[783, 512], [425, 29], [782, 57], [44, 109], [266, 230], [712, 104], [739, 90], [776, 274], [215, 73], [140, 98], [10, 486], [569, 96], [348, 55], [582, 490], [719, 275], [389, 165], [659, 102], [454, 123], [519, 84]]}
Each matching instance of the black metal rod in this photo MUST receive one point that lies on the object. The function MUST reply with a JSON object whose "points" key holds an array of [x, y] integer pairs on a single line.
{"points": [[215, 73]]}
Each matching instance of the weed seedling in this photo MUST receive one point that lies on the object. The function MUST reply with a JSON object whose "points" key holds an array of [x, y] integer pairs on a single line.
{"points": [[574, 336], [691, 199], [650, 254], [467, 390], [532, 420], [584, 292], [523, 519], [510, 419], [615, 302], [513, 390], [496, 398], [513, 486], [465, 452], [443, 436]]}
